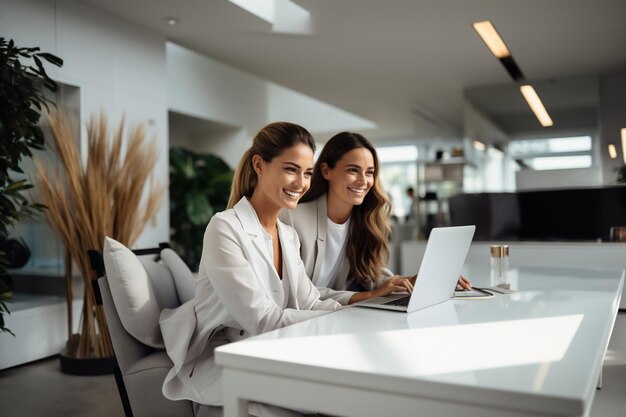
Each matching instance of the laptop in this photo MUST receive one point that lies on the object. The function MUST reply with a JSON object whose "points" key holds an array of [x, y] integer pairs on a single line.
{"points": [[439, 272]]}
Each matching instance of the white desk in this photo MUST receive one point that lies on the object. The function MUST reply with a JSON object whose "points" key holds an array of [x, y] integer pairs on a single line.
{"points": [[537, 352]]}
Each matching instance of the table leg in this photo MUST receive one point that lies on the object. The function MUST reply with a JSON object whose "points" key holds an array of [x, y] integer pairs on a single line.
{"points": [[599, 386], [233, 405]]}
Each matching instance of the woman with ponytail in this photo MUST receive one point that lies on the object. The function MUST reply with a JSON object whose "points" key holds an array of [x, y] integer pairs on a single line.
{"points": [[343, 224], [251, 278]]}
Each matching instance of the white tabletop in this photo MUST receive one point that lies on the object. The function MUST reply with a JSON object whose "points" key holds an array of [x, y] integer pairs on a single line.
{"points": [[537, 350]]}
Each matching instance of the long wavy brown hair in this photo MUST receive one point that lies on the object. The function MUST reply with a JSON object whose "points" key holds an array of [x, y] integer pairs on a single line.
{"points": [[369, 232], [268, 143]]}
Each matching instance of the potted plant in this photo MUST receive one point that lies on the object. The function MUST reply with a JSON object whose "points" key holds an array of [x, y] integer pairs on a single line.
{"points": [[88, 201], [22, 98], [199, 187]]}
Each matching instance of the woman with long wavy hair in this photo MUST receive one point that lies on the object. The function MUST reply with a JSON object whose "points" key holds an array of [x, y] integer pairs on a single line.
{"points": [[343, 224]]}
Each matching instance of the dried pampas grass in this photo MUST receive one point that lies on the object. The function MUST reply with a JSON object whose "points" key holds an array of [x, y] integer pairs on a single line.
{"points": [[86, 202]]}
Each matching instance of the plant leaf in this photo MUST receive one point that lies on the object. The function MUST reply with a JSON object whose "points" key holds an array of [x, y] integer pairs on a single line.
{"points": [[53, 59], [198, 209]]}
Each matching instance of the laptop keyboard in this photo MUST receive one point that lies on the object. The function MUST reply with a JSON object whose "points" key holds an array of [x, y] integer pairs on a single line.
{"points": [[404, 301]]}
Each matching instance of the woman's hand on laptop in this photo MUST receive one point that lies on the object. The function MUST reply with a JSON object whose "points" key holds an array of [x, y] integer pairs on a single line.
{"points": [[463, 284], [394, 284], [398, 283]]}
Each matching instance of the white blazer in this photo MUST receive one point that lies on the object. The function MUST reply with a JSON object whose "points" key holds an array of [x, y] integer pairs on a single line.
{"points": [[238, 294], [310, 221]]}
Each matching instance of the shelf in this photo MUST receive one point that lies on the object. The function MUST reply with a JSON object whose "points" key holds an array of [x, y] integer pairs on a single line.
{"points": [[450, 161], [443, 172]]}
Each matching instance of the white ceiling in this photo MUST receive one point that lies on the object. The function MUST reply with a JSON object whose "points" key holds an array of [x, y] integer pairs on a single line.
{"points": [[389, 61]]}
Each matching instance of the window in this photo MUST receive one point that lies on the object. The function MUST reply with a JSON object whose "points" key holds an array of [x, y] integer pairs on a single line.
{"points": [[553, 153], [398, 172], [560, 162]]}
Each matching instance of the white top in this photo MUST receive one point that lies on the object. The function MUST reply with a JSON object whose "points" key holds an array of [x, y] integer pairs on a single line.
{"points": [[336, 238], [282, 291], [539, 350], [286, 287]]}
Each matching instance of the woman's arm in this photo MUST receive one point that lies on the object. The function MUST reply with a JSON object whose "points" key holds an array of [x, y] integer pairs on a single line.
{"points": [[342, 297]]}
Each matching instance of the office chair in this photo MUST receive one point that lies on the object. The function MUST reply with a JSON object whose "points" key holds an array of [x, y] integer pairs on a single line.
{"points": [[141, 368]]}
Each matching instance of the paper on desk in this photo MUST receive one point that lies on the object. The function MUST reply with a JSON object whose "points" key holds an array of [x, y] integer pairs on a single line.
{"points": [[471, 293], [501, 290]]}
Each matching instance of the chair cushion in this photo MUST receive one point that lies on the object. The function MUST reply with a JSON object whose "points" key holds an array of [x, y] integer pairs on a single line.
{"points": [[162, 282], [132, 293], [183, 278]]}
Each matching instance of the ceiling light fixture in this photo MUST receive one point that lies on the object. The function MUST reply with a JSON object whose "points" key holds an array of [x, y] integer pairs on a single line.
{"points": [[171, 21], [488, 33], [624, 143], [537, 107], [612, 151], [479, 146]]}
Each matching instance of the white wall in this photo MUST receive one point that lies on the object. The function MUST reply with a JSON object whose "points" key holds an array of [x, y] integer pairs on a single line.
{"points": [[205, 88], [315, 115], [612, 117], [201, 87], [118, 67]]}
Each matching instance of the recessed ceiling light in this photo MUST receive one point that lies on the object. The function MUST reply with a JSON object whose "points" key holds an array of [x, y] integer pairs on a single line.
{"points": [[536, 105], [612, 151], [488, 33], [171, 21]]}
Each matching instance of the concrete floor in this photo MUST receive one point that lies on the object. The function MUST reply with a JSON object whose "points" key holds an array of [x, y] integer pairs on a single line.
{"points": [[40, 389]]}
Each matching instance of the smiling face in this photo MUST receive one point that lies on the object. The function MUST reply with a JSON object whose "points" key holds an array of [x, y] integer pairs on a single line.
{"points": [[351, 178], [284, 179]]}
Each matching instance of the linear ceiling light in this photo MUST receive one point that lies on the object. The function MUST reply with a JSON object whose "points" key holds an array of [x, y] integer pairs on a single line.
{"points": [[496, 45], [612, 151], [624, 143], [488, 33], [536, 106]]}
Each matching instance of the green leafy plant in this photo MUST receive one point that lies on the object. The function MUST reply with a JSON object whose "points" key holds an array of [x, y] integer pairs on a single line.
{"points": [[199, 187], [22, 99]]}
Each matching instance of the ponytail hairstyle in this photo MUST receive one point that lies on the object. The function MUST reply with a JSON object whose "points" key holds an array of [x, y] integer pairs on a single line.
{"points": [[369, 232], [268, 143]]}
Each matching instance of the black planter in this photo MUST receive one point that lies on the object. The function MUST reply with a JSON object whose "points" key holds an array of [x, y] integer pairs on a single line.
{"points": [[89, 366]]}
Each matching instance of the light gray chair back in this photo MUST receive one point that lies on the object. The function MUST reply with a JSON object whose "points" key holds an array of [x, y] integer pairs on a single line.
{"points": [[142, 368]]}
